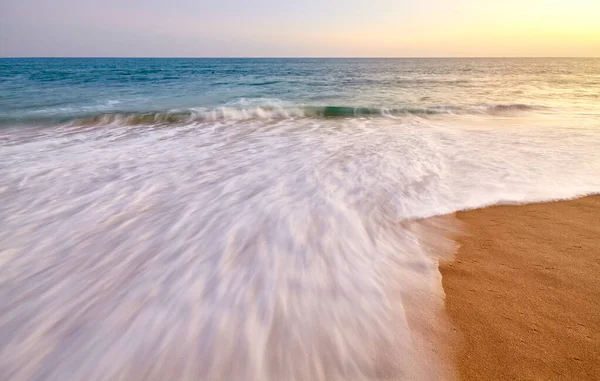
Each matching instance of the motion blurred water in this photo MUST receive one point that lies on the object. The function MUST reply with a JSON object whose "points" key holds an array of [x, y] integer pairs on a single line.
{"points": [[234, 219]]}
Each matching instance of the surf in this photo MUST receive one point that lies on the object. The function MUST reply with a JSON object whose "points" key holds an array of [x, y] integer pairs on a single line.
{"points": [[290, 248], [236, 112]]}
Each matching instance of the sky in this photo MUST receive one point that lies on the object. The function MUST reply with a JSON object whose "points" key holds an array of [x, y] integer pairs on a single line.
{"points": [[307, 28]]}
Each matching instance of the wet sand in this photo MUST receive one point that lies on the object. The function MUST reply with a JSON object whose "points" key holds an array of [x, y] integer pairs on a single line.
{"points": [[523, 292]]}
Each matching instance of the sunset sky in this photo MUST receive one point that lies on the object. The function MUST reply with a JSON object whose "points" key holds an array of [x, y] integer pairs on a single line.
{"points": [[315, 28]]}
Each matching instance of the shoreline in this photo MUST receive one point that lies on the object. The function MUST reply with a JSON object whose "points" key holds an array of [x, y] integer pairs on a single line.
{"points": [[522, 291]]}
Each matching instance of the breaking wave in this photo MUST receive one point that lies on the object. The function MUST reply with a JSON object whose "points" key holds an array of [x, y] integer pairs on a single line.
{"points": [[273, 112]]}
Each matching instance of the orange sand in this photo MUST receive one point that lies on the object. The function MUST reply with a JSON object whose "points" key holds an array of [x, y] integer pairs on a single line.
{"points": [[524, 292]]}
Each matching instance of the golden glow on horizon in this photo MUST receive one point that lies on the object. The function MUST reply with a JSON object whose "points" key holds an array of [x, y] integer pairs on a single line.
{"points": [[350, 28], [513, 28], [540, 27]]}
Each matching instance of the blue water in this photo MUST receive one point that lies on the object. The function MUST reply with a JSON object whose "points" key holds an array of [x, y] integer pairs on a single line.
{"points": [[262, 219], [39, 89]]}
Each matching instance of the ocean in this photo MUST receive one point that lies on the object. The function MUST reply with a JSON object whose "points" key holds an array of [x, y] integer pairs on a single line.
{"points": [[262, 219]]}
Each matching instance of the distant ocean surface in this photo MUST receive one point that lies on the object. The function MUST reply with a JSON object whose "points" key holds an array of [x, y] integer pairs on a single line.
{"points": [[258, 219], [133, 91]]}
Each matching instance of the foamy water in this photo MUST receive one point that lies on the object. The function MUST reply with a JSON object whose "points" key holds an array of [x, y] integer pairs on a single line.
{"points": [[257, 250], [255, 245]]}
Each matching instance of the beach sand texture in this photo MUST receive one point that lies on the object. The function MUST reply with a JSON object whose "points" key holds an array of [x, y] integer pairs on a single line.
{"points": [[523, 292]]}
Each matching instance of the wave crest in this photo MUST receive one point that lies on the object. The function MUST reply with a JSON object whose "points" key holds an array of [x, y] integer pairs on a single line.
{"points": [[243, 113], [237, 112]]}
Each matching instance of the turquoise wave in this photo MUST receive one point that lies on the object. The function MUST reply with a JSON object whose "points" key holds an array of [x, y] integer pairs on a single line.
{"points": [[233, 113]]}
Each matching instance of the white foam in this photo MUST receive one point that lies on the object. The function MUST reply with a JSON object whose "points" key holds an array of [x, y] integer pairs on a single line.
{"points": [[232, 113], [252, 249]]}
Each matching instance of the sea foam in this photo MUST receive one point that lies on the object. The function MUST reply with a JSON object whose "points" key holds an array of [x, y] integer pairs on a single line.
{"points": [[258, 249]]}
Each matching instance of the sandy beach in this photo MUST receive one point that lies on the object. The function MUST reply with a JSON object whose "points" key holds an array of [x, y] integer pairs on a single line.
{"points": [[523, 292]]}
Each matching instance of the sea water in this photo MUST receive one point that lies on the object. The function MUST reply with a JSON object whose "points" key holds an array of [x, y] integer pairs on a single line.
{"points": [[258, 219]]}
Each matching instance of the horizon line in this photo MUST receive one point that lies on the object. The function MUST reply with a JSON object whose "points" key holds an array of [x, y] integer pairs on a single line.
{"points": [[292, 57]]}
